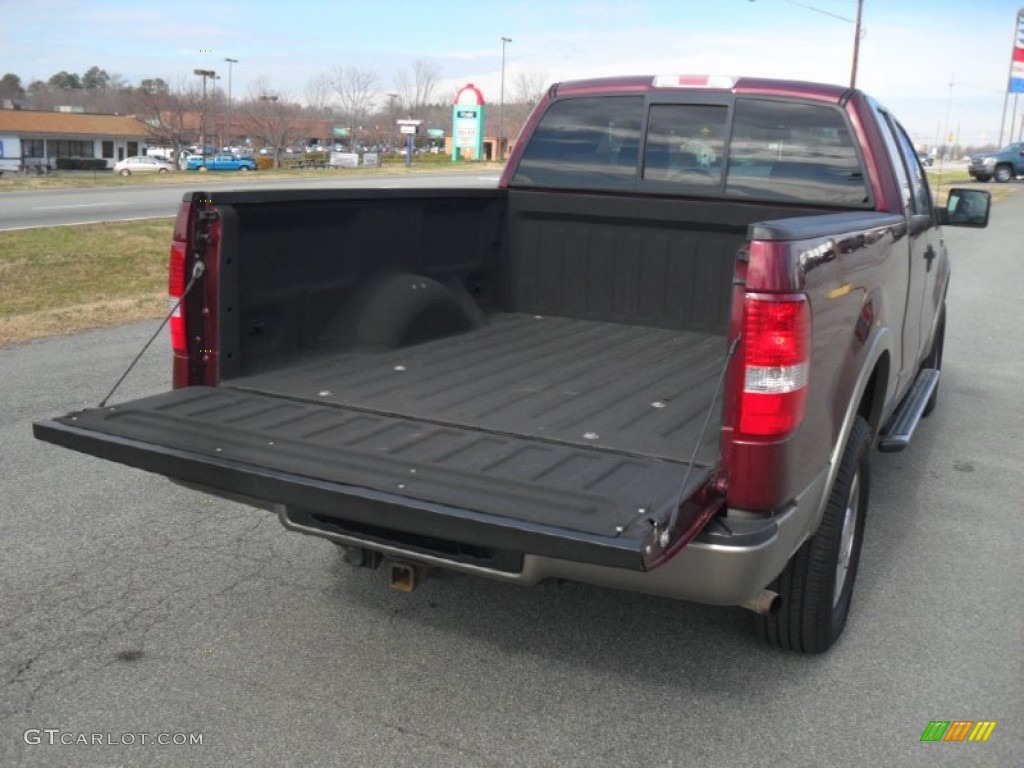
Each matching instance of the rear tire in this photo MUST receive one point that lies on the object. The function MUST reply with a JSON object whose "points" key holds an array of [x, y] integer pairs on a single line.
{"points": [[163, 170], [244, 169], [202, 169], [126, 172], [816, 587]]}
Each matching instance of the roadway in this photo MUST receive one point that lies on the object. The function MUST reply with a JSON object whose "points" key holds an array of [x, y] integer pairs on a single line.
{"points": [[26, 209], [131, 605]]}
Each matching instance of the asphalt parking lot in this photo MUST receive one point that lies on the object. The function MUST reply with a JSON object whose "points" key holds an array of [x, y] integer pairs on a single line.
{"points": [[131, 606]]}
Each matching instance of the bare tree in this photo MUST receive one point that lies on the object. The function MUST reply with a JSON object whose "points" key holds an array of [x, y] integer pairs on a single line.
{"points": [[271, 117], [117, 97], [416, 86], [320, 93], [355, 89], [169, 115], [528, 87]]}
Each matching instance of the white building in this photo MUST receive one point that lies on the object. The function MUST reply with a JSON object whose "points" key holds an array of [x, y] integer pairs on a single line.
{"points": [[31, 139]]}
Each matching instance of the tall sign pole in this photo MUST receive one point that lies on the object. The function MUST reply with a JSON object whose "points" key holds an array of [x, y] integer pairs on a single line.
{"points": [[1015, 82], [468, 121]]}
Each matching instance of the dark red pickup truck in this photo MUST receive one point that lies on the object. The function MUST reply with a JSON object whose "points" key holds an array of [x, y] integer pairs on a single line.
{"points": [[657, 357]]}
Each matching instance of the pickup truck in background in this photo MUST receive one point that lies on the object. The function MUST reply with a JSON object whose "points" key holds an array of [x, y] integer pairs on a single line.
{"points": [[1004, 165], [657, 357], [222, 161]]}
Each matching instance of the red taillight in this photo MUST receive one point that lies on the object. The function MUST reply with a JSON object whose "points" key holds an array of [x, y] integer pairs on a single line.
{"points": [[177, 278], [776, 359], [175, 288]]}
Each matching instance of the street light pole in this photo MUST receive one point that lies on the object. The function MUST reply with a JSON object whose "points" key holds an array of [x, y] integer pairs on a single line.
{"points": [[501, 113], [203, 73], [230, 62]]}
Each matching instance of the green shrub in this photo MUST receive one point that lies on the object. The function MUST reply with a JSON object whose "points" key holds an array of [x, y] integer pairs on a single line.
{"points": [[81, 164]]}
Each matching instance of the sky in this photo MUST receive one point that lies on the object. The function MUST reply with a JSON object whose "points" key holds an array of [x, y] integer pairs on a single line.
{"points": [[911, 50]]}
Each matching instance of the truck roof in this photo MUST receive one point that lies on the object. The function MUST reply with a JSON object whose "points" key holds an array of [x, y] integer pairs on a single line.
{"points": [[745, 85]]}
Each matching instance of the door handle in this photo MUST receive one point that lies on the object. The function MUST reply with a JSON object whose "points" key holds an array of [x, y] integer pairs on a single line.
{"points": [[929, 256]]}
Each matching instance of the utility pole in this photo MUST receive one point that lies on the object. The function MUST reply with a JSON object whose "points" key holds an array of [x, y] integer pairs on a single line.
{"points": [[501, 112], [230, 62], [856, 31], [856, 44]]}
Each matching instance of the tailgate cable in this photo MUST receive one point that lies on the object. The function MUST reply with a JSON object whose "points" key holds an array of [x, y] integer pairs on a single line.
{"points": [[197, 272], [663, 534]]}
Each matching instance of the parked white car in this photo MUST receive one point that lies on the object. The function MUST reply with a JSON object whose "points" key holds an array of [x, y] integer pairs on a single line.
{"points": [[131, 165]]}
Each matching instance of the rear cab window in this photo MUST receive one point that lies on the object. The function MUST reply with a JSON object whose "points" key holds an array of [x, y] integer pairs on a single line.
{"points": [[585, 142], [734, 147]]}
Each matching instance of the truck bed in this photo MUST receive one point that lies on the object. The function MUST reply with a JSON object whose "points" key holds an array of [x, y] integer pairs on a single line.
{"points": [[626, 389], [559, 419]]}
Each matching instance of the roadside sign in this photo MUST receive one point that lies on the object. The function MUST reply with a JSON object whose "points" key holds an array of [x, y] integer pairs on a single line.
{"points": [[468, 124]]}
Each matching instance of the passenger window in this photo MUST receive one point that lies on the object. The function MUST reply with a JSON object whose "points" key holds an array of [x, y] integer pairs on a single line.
{"points": [[685, 144], [893, 148], [796, 152], [585, 142], [918, 181]]}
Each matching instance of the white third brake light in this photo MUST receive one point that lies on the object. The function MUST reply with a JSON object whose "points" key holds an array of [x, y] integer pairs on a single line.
{"points": [[694, 81]]}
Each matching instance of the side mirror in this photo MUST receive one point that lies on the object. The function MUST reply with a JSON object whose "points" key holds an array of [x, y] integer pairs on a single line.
{"points": [[967, 208]]}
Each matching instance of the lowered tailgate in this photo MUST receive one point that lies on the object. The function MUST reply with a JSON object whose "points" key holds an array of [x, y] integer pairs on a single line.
{"points": [[479, 488]]}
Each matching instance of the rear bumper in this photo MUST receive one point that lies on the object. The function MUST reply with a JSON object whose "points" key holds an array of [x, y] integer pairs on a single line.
{"points": [[728, 563]]}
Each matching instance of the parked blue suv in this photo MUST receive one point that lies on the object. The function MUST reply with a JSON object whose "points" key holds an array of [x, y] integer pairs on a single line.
{"points": [[1003, 166]]}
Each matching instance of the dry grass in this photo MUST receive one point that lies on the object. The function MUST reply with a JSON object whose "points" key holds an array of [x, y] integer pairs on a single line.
{"points": [[54, 322], [61, 279]]}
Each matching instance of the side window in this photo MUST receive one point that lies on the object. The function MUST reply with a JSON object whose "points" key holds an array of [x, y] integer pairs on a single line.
{"points": [[918, 181], [893, 148], [685, 144], [590, 142], [792, 151]]}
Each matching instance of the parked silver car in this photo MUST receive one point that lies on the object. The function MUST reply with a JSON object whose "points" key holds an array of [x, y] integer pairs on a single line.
{"points": [[149, 164]]}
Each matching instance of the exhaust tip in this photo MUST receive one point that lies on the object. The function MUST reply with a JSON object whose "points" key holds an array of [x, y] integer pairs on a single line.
{"points": [[765, 603]]}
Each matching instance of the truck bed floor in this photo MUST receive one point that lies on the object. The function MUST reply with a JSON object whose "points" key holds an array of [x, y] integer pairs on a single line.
{"points": [[627, 389]]}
